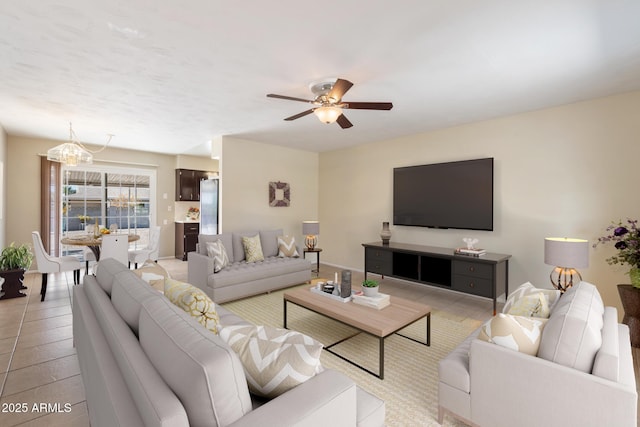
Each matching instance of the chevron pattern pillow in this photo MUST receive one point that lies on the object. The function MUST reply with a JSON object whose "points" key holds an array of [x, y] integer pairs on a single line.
{"points": [[275, 360], [287, 247], [518, 333], [217, 251], [527, 289], [195, 302]]}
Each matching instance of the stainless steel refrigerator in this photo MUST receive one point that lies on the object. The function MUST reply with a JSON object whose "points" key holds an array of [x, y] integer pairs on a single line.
{"points": [[209, 200]]}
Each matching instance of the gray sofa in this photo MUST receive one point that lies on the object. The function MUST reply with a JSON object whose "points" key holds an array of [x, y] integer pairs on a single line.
{"points": [[145, 362], [582, 374], [242, 279]]}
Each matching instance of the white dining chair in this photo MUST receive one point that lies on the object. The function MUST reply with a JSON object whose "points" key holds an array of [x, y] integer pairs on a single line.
{"points": [[50, 264], [114, 246], [138, 256]]}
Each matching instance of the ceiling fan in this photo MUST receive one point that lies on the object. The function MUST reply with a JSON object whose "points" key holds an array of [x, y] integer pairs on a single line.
{"points": [[328, 103]]}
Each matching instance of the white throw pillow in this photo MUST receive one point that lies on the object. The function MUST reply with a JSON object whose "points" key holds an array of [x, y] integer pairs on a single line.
{"points": [[154, 274], [252, 248], [275, 360], [533, 305], [194, 301], [217, 251], [518, 333], [551, 295], [287, 247]]}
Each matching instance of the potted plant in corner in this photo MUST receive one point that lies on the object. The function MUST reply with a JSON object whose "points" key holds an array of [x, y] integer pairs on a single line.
{"points": [[370, 288], [626, 240], [14, 261]]}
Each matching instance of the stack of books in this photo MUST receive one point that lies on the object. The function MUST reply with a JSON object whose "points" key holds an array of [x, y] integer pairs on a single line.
{"points": [[470, 252], [380, 301]]}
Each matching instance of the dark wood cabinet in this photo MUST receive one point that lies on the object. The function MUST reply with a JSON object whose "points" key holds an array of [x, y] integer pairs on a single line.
{"points": [[485, 276], [188, 184], [186, 238]]}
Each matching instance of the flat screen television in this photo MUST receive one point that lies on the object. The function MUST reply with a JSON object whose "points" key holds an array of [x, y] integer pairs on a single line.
{"points": [[445, 195]]}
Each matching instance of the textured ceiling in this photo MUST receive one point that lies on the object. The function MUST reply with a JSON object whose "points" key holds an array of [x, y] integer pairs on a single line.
{"points": [[168, 76]]}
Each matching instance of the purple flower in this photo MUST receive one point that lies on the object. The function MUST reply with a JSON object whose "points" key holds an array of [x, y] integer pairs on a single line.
{"points": [[621, 245], [620, 231]]}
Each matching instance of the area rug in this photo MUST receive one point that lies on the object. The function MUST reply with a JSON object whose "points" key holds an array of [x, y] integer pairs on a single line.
{"points": [[410, 385]]}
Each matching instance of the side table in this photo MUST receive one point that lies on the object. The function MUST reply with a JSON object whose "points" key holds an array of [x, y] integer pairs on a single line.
{"points": [[314, 251], [630, 298]]}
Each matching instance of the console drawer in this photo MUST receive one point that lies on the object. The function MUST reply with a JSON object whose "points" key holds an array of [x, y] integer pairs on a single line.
{"points": [[378, 261], [472, 285], [475, 269]]}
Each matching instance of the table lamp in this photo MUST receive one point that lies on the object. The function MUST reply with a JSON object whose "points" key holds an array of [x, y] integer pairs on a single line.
{"points": [[566, 254], [310, 229]]}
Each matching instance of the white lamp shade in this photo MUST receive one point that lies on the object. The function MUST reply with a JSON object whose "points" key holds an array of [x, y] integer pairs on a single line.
{"points": [[310, 228], [566, 252]]}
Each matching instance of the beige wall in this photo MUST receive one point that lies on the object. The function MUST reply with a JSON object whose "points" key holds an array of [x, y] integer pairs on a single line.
{"points": [[196, 163], [3, 187], [248, 167], [566, 171], [23, 189]]}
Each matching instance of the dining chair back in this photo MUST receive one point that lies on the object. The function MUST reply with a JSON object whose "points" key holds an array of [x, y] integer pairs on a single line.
{"points": [[50, 264], [138, 256], [115, 246]]}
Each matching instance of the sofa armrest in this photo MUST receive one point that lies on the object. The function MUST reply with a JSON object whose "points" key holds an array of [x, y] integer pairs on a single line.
{"points": [[511, 388], [199, 268], [327, 399]]}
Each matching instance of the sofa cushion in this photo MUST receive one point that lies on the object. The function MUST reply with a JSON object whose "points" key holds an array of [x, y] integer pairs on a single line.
{"points": [[573, 336], [287, 247], [225, 238], [243, 272], [194, 302], [552, 295], [154, 400], [129, 291], [532, 305], [453, 370], [109, 267], [152, 273], [252, 248], [238, 248], [275, 360], [218, 252], [269, 239], [607, 361], [515, 332], [200, 368]]}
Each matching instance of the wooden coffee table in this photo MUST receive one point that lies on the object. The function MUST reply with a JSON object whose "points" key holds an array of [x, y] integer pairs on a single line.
{"points": [[378, 323]]}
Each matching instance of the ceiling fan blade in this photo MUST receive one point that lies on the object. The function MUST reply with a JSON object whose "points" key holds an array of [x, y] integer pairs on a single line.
{"points": [[344, 122], [340, 87], [297, 116], [290, 98], [368, 105]]}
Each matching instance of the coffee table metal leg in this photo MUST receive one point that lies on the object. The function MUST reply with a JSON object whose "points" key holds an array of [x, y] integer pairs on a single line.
{"points": [[285, 314], [381, 361]]}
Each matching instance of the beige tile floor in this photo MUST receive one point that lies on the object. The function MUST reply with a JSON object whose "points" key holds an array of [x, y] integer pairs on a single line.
{"points": [[41, 383]]}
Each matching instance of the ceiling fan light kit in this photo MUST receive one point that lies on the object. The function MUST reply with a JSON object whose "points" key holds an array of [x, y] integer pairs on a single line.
{"points": [[328, 103], [328, 114]]}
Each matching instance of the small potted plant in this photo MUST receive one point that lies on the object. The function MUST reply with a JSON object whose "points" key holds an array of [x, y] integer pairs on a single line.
{"points": [[370, 288], [14, 261]]}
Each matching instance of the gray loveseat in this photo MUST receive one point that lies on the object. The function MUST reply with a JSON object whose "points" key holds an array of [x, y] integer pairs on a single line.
{"points": [[582, 374], [242, 279], [145, 362]]}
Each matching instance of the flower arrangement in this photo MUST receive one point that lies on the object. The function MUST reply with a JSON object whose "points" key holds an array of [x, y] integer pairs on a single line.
{"points": [[84, 218], [627, 242], [193, 213]]}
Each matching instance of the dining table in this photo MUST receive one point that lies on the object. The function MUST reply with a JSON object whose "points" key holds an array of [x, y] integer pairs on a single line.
{"points": [[93, 242]]}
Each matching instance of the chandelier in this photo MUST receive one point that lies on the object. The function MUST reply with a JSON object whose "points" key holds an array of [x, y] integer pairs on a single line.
{"points": [[74, 153]]}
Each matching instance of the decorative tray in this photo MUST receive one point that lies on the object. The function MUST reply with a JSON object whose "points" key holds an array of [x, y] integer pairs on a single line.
{"points": [[334, 297]]}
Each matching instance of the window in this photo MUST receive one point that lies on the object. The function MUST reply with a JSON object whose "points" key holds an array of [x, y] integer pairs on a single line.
{"points": [[114, 198]]}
